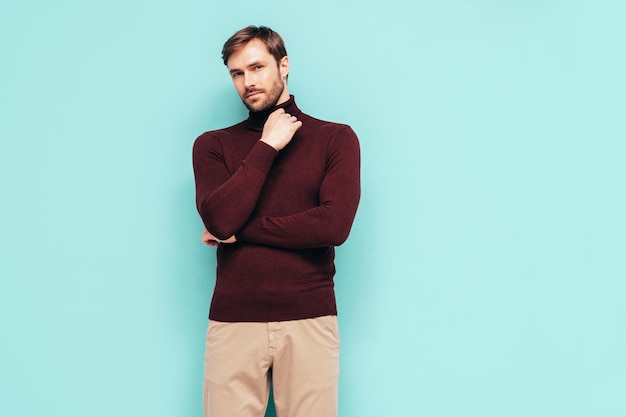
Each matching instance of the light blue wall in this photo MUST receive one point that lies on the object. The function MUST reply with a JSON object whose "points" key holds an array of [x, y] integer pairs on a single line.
{"points": [[485, 274]]}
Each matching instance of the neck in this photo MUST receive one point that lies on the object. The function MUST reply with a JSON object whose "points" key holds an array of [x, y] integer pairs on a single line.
{"points": [[257, 119]]}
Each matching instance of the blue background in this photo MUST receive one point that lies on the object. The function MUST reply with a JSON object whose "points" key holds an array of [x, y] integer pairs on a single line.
{"points": [[485, 273]]}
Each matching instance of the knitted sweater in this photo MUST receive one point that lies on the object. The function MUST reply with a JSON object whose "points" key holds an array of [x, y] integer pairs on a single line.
{"points": [[287, 209]]}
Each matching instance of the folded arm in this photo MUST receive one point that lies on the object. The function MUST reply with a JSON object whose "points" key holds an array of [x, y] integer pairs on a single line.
{"points": [[225, 200], [330, 222]]}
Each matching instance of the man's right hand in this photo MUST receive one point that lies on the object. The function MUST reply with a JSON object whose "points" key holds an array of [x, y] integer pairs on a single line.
{"points": [[279, 129]]}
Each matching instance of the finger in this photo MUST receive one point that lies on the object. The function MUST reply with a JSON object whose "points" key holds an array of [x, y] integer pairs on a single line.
{"points": [[210, 242], [206, 237]]}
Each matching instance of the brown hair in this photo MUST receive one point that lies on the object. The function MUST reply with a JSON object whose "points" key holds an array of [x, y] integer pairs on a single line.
{"points": [[272, 40]]}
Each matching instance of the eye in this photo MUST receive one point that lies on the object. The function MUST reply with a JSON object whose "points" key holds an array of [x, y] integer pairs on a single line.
{"points": [[236, 74], [258, 67]]}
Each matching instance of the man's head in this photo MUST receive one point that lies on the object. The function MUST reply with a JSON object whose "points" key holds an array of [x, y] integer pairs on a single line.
{"points": [[258, 65]]}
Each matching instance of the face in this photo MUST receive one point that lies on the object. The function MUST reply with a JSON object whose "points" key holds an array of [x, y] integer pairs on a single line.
{"points": [[260, 81]]}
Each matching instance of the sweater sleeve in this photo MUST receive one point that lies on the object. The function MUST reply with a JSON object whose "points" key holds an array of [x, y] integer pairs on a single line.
{"points": [[330, 222], [226, 200]]}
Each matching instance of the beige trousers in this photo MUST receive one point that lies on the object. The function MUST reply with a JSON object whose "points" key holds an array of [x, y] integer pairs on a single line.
{"points": [[300, 358]]}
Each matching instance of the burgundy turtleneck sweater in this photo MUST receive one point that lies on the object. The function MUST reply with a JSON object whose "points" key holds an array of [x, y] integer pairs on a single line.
{"points": [[287, 209]]}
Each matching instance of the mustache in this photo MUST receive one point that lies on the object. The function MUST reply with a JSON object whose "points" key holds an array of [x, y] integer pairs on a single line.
{"points": [[253, 90]]}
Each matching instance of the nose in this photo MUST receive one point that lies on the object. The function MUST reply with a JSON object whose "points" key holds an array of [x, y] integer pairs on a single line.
{"points": [[248, 79]]}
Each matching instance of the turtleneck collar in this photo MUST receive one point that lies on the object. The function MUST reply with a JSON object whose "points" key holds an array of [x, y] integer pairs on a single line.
{"points": [[256, 120]]}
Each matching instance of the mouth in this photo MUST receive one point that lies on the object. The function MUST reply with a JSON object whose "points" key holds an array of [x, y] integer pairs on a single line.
{"points": [[253, 93]]}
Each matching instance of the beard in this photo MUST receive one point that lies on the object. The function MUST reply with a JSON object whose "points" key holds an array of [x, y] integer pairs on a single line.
{"points": [[271, 97]]}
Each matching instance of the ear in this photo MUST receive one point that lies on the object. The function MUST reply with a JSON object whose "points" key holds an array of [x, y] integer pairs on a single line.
{"points": [[283, 66]]}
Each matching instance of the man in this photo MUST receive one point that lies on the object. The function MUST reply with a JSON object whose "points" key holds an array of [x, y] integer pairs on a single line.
{"points": [[276, 193]]}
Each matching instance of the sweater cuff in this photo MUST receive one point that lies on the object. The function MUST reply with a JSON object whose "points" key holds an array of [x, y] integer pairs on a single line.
{"points": [[262, 156]]}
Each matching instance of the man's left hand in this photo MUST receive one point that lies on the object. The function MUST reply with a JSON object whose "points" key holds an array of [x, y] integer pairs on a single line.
{"points": [[210, 240]]}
